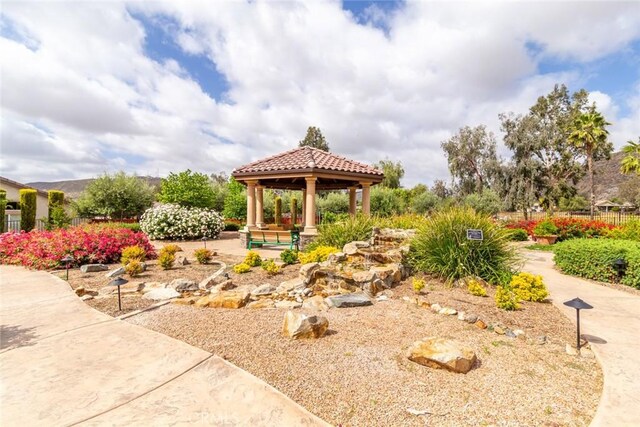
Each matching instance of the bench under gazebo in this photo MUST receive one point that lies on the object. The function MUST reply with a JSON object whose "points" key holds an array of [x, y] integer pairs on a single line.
{"points": [[309, 170]]}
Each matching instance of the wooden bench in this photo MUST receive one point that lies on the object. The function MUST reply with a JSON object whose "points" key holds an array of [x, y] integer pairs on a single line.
{"points": [[274, 237]]}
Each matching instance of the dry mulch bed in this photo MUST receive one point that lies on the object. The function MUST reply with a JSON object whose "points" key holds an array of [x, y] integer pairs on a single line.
{"points": [[358, 374]]}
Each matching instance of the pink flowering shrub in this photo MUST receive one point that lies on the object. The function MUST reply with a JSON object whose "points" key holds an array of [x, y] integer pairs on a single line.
{"points": [[86, 244]]}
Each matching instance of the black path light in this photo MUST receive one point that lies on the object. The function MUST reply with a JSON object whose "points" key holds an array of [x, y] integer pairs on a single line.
{"points": [[68, 259], [578, 304], [620, 266], [118, 282], [204, 240]]}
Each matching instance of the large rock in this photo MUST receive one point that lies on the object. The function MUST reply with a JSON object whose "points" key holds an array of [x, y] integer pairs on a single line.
{"points": [[149, 286], [337, 257], [184, 285], [362, 277], [263, 290], [299, 325], [349, 300], [442, 353], [161, 294], [261, 303], [287, 304], [315, 303], [352, 247], [390, 274], [290, 285], [225, 285], [182, 260], [229, 299], [115, 273], [307, 270], [93, 268], [372, 288]]}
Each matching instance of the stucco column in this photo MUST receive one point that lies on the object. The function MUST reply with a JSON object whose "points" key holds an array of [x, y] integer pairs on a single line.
{"points": [[259, 206], [310, 208], [366, 197], [251, 203], [303, 219], [352, 201]]}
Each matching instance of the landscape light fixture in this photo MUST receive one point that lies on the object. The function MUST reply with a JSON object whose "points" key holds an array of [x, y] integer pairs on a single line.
{"points": [[119, 281], [578, 304], [620, 266], [68, 259], [204, 240]]}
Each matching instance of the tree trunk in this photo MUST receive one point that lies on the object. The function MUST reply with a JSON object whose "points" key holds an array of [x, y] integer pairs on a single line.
{"points": [[593, 197], [526, 214]]}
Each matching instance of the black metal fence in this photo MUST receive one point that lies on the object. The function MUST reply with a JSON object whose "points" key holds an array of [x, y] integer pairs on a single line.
{"points": [[610, 217]]}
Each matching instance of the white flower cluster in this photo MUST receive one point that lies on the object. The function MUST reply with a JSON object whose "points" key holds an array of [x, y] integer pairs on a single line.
{"points": [[180, 223]]}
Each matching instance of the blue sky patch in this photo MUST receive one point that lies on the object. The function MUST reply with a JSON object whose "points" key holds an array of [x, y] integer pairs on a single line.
{"points": [[11, 31], [361, 11]]}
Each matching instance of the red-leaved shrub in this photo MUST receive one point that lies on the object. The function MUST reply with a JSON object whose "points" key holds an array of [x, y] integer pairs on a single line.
{"points": [[569, 228], [86, 244]]}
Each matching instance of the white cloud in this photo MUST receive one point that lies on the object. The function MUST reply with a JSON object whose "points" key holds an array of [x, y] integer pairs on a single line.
{"points": [[288, 65]]}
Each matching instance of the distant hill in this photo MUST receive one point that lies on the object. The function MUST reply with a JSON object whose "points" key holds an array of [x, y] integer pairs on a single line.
{"points": [[73, 188], [606, 179]]}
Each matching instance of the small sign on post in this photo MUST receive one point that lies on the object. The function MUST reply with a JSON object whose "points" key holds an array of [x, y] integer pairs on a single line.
{"points": [[474, 234]]}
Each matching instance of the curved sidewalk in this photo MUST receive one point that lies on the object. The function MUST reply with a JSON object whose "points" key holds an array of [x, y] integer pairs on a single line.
{"points": [[612, 327], [63, 363]]}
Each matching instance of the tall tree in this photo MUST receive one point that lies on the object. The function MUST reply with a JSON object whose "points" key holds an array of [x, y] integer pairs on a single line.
{"points": [[631, 161], [472, 158], [589, 135], [393, 173], [439, 188], [314, 138], [190, 189], [545, 166]]}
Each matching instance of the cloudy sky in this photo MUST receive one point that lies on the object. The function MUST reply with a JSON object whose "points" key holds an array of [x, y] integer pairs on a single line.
{"points": [[154, 87]]}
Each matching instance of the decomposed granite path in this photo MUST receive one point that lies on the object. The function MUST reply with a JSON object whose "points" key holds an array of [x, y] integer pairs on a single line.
{"points": [[63, 363], [612, 327]]}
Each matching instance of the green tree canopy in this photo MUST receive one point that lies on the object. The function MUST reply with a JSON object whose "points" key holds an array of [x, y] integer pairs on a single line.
{"points": [[189, 189], [235, 204], [488, 202], [393, 173], [115, 196], [631, 161], [314, 138]]}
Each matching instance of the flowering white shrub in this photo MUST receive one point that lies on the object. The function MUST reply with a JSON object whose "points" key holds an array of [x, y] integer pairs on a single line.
{"points": [[177, 222]]}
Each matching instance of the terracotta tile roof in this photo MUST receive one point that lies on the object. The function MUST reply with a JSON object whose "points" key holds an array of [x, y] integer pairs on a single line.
{"points": [[306, 158]]}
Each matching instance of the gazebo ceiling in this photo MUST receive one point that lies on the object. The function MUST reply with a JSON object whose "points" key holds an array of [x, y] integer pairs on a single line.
{"points": [[288, 170]]}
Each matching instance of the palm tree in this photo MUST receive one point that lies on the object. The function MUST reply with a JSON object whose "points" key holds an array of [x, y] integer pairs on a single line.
{"points": [[631, 162], [588, 133]]}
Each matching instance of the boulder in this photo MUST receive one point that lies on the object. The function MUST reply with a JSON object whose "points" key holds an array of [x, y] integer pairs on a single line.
{"points": [[287, 304], [389, 273], [448, 311], [261, 303], [307, 270], [441, 353], [183, 285], [161, 294], [229, 299], [436, 308], [362, 277], [315, 303], [349, 300], [337, 257], [129, 288], [470, 318], [299, 325], [182, 260], [290, 285], [115, 273], [149, 286], [263, 290], [186, 301], [79, 291], [352, 248], [225, 285], [93, 268], [372, 288], [215, 278]]}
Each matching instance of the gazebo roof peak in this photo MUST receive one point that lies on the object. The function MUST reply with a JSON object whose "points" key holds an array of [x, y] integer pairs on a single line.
{"points": [[307, 159]]}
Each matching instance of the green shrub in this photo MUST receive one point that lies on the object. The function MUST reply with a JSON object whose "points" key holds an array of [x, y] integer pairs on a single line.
{"points": [[335, 203], [134, 268], [425, 202], [349, 229], [593, 259], [271, 267], [253, 259], [278, 211], [3, 206], [28, 200], [628, 231], [518, 235], [289, 256], [293, 209], [475, 288], [387, 201], [506, 299], [231, 226], [55, 198], [441, 247], [528, 287], [319, 254], [488, 202], [545, 228], [57, 218], [132, 253], [166, 259], [203, 256], [418, 284], [242, 268]]}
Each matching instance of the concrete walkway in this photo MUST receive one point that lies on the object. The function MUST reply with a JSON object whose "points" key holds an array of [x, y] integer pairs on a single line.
{"points": [[612, 327], [63, 363]]}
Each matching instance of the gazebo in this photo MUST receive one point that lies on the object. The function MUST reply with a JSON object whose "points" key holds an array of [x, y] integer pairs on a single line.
{"points": [[307, 169]]}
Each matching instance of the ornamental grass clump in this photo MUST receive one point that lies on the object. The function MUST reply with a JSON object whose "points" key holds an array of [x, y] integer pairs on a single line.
{"points": [[528, 287], [203, 256], [252, 259], [349, 229], [441, 247], [165, 222]]}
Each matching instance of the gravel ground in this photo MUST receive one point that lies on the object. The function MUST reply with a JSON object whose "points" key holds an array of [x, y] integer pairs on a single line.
{"points": [[358, 374]]}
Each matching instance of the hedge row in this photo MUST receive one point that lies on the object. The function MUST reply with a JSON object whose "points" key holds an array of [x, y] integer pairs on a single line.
{"points": [[594, 258]]}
